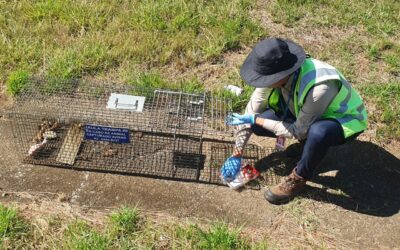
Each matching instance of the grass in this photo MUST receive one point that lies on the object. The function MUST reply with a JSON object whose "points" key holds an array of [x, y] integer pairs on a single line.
{"points": [[70, 39], [160, 44], [125, 228], [359, 28], [125, 221], [218, 236], [80, 235], [238, 102], [153, 80], [16, 82], [379, 18], [386, 98], [12, 226], [88, 58]]}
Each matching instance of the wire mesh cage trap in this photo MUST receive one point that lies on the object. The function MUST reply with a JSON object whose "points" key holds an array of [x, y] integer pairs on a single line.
{"points": [[119, 128]]}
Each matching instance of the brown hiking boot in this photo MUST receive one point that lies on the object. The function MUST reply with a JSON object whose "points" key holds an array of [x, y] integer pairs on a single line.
{"points": [[283, 192]]}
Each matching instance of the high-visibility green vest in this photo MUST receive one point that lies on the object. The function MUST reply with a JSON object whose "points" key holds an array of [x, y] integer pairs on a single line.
{"points": [[347, 107]]}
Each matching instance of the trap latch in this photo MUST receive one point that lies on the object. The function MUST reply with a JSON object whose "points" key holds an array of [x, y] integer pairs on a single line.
{"points": [[126, 105]]}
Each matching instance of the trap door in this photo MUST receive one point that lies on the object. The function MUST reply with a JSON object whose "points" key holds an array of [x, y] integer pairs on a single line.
{"points": [[215, 113], [178, 112], [182, 115]]}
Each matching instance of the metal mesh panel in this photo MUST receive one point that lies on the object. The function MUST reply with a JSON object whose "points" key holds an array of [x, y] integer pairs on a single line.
{"points": [[120, 128]]}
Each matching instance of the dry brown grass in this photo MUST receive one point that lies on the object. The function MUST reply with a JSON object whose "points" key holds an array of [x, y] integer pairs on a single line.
{"points": [[297, 225]]}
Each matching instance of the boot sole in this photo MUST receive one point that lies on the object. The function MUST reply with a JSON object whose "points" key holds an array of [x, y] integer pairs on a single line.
{"points": [[279, 201]]}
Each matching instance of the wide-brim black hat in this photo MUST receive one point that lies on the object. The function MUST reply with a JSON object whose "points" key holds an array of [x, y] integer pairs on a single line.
{"points": [[270, 61]]}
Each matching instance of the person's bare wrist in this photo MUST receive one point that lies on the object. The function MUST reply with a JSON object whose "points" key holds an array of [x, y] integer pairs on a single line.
{"points": [[259, 121]]}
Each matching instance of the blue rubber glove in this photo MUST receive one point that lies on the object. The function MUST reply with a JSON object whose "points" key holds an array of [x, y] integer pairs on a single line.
{"points": [[231, 168], [237, 119]]}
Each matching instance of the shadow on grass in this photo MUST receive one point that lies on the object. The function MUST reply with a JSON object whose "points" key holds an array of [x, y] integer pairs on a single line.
{"points": [[358, 176]]}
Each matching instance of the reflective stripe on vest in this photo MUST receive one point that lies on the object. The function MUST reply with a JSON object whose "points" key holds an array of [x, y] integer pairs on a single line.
{"points": [[347, 107]]}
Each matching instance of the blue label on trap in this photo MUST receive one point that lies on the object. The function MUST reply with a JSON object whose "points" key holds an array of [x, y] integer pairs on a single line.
{"points": [[110, 134]]}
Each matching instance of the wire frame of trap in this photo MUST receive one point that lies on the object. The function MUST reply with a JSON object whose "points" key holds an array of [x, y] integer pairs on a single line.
{"points": [[124, 129]]}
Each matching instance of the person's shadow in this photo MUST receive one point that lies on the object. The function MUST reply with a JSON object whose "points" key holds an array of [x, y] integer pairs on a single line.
{"points": [[358, 176]]}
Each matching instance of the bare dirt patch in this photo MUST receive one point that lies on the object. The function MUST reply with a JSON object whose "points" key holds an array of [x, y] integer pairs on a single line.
{"points": [[5, 100], [213, 75]]}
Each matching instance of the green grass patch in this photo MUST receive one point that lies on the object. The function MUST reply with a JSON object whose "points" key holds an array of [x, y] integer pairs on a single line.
{"points": [[218, 236], [387, 51], [71, 39], [88, 58], [379, 48], [386, 98], [80, 235], [16, 82], [20, 83], [150, 81], [125, 221], [238, 102], [12, 226]]}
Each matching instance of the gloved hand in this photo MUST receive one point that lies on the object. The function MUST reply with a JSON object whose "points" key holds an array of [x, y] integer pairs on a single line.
{"points": [[230, 168], [237, 119]]}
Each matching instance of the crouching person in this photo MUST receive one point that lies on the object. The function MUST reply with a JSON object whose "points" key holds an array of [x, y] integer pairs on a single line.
{"points": [[295, 97]]}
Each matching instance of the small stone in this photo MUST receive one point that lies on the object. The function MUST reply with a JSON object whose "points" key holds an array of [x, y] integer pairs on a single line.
{"points": [[62, 198]]}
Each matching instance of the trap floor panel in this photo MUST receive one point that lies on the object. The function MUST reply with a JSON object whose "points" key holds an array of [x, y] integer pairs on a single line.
{"points": [[151, 154]]}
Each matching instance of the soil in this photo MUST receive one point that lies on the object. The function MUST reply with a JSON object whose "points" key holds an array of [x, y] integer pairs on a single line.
{"points": [[5, 100], [341, 208]]}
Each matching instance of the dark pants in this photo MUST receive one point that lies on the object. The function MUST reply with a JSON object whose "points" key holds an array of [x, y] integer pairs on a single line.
{"points": [[322, 134]]}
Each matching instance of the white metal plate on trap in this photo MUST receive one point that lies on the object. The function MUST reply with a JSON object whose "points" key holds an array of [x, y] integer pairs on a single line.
{"points": [[126, 102]]}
